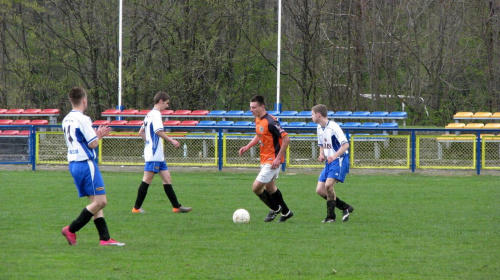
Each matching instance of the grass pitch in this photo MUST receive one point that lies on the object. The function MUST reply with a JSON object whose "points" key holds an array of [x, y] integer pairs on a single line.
{"points": [[404, 227]]}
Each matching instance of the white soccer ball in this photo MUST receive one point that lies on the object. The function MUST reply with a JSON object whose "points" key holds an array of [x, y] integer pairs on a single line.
{"points": [[241, 216]]}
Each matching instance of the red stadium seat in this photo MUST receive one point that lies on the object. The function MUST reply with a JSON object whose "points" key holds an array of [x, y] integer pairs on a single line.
{"points": [[170, 123], [6, 122], [136, 122], [111, 112], [116, 122], [182, 112], [186, 123], [10, 132], [39, 122], [24, 132], [32, 111], [21, 122], [129, 112], [14, 111], [143, 112], [100, 122], [167, 112], [50, 111], [199, 112], [3, 111]]}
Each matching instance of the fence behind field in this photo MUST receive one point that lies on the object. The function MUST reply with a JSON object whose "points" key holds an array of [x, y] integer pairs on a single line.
{"points": [[217, 146]]}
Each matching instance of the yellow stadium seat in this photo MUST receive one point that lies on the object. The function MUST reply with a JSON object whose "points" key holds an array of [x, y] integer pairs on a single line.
{"points": [[482, 115], [495, 115], [455, 125], [491, 125], [474, 125], [463, 114]]}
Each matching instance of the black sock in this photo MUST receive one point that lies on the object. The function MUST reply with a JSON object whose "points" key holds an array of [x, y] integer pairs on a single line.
{"points": [[268, 200], [102, 228], [171, 195], [279, 199], [141, 194], [341, 204], [330, 209], [81, 221]]}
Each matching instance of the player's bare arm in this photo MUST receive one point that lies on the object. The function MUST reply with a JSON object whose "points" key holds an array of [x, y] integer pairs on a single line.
{"points": [[142, 133], [281, 153], [163, 135], [101, 131], [321, 156], [252, 143], [340, 152]]}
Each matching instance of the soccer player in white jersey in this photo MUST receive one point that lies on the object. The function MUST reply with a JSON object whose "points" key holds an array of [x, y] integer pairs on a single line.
{"points": [[153, 135], [82, 139], [333, 147]]}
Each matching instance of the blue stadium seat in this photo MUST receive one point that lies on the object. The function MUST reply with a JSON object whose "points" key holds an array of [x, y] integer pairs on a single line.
{"points": [[397, 114], [305, 114], [283, 124], [351, 124], [296, 124], [288, 113], [273, 113], [379, 114], [370, 124], [331, 114], [360, 114], [217, 113], [224, 123], [312, 124], [343, 114], [235, 113], [248, 113], [207, 123], [388, 125], [243, 123]]}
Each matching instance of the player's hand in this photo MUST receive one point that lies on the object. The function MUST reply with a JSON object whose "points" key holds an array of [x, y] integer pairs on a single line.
{"points": [[330, 159], [276, 163], [175, 143], [102, 131], [242, 150], [321, 157]]}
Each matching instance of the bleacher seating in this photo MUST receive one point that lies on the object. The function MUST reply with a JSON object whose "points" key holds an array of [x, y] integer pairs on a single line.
{"points": [[369, 124], [189, 123], [351, 124], [182, 112], [296, 124], [6, 122], [14, 111], [207, 123], [288, 114], [100, 122], [167, 112], [360, 114], [235, 113], [482, 115], [143, 112], [24, 132], [135, 122], [379, 114], [39, 122], [21, 122], [199, 112], [3, 111], [305, 114], [171, 123], [243, 123], [342, 114], [217, 113], [474, 125], [274, 113], [283, 124], [129, 112], [110, 112], [312, 124], [225, 123], [32, 111], [118, 122], [492, 126], [10, 132]]}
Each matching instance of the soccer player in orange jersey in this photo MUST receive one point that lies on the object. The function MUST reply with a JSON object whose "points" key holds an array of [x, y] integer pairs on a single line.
{"points": [[273, 141]]}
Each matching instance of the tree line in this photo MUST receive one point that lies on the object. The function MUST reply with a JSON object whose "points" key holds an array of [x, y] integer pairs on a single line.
{"points": [[434, 57]]}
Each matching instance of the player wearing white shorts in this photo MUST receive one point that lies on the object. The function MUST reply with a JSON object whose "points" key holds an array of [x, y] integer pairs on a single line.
{"points": [[81, 140], [333, 147], [153, 135], [273, 141]]}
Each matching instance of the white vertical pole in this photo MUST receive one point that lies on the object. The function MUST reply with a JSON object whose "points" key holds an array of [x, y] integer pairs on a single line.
{"points": [[278, 64], [120, 55]]}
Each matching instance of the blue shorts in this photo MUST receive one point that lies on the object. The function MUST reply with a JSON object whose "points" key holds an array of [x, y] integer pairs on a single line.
{"points": [[155, 166], [87, 177], [337, 170]]}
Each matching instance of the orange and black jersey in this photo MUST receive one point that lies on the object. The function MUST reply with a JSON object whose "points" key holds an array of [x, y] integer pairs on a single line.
{"points": [[270, 135]]}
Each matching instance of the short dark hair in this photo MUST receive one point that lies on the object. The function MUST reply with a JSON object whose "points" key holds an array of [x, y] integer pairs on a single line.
{"points": [[161, 96], [259, 99], [321, 109], [76, 95]]}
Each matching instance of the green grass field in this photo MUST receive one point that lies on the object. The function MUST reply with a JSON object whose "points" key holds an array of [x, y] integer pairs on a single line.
{"points": [[406, 226]]}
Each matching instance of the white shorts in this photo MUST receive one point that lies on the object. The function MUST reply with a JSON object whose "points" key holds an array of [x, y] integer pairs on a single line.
{"points": [[267, 174]]}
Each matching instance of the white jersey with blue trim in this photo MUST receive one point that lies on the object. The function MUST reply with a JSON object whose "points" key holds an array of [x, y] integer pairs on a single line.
{"points": [[78, 132], [153, 149], [331, 138]]}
